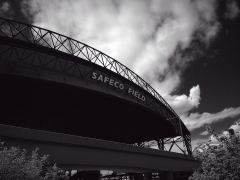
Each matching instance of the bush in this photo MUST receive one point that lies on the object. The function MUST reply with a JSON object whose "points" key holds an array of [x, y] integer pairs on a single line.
{"points": [[220, 160], [17, 163]]}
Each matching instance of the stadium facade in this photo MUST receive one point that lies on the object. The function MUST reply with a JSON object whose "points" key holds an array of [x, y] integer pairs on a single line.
{"points": [[68, 98]]}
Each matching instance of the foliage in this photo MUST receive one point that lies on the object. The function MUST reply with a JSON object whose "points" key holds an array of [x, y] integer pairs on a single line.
{"points": [[219, 161], [17, 163]]}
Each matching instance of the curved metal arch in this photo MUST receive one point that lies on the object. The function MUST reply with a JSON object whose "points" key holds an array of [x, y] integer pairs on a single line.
{"points": [[53, 40], [42, 37]]}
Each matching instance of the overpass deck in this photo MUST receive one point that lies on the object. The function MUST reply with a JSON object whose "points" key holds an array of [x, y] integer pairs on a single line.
{"points": [[75, 152]]}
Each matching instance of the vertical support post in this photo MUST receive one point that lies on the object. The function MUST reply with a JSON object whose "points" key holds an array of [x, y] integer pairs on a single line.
{"points": [[187, 140], [180, 126], [160, 144]]}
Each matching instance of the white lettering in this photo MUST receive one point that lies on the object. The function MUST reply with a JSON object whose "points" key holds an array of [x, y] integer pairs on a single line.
{"points": [[106, 79], [94, 75], [121, 86], [130, 90], [100, 78], [111, 82], [117, 84], [136, 94]]}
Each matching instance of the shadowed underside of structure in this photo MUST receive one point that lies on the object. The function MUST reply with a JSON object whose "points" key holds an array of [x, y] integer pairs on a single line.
{"points": [[59, 108], [52, 82], [83, 107]]}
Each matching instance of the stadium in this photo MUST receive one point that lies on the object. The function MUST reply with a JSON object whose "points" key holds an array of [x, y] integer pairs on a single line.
{"points": [[84, 108]]}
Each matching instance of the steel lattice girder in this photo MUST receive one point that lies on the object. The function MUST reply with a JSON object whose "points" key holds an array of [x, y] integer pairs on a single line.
{"points": [[44, 38]]}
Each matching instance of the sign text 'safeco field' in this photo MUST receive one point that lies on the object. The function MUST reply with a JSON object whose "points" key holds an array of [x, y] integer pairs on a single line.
{"points": [[114, 83]]}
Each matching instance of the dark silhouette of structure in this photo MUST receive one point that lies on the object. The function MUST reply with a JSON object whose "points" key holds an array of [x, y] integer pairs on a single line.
{"points": [[52, 83]]}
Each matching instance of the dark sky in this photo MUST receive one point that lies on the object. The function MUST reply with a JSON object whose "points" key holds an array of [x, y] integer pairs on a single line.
{"points": [[217, 71], [216, 68]]}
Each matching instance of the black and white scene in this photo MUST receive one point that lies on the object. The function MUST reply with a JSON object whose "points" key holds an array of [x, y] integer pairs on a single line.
{"points": [[119, 89]]}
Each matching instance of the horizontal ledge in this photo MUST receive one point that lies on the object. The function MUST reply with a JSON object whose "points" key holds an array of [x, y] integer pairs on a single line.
{"points": [[78, 152]]}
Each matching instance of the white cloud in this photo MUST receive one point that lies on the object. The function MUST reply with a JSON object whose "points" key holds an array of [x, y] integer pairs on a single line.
{"points": [[198, 141], [197, 120], [182, 103], [142, 34], [232, 10], [148, 36], [4, 7], [204, 133]]}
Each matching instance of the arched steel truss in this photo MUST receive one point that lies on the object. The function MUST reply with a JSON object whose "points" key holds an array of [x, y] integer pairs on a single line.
{"points": [[43, 37]]}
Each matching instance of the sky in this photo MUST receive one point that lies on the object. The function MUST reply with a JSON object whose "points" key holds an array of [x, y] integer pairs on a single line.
{"points": [[188, 50]]}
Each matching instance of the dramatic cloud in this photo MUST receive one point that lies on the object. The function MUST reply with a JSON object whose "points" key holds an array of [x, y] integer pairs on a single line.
{"points": [[197, 120], [148, 36], [4, 7], [143, 34], [232, 9], [183, 103]]}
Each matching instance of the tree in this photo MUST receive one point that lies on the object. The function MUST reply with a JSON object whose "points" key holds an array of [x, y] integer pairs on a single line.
{"points": [[220, 160], [17, 163]]}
